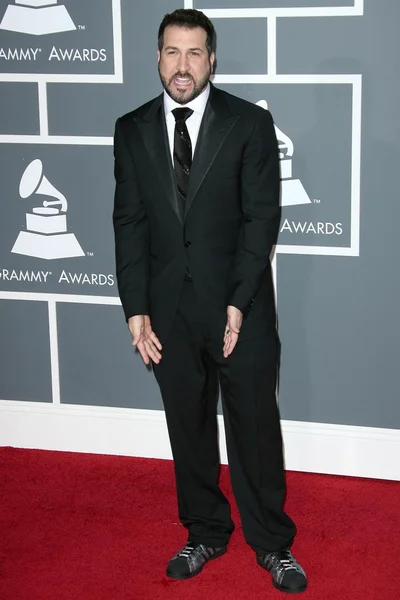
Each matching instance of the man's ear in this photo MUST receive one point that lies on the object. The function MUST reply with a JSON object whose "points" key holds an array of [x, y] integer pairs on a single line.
{"points": [[213, 62]]}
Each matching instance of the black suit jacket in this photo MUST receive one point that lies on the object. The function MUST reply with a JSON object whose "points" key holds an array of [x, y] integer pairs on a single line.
{"points": [[231, 219]]}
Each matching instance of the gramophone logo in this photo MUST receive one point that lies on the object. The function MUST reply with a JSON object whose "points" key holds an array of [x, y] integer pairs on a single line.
{"points": [[46, 235], [37, 17], [293, 191]]}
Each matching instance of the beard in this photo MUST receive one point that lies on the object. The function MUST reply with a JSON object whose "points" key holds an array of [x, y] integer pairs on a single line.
{"points": [[180, 96]]}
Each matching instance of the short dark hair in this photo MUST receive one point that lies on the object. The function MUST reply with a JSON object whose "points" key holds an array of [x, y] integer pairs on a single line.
{"points": [[189, 18]]}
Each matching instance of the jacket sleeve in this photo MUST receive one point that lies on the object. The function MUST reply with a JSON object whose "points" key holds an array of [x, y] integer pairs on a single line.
{"points": [[131, 232], [260, 191]]}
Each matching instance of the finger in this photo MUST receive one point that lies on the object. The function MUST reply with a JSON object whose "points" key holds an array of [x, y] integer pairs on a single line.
{"points": [[230, 344], [143, 353], [226, 350], [227, 331], [155, 340], [235, 328], [151, 345], [156, 359], [227, 336], [234, 323], [137, 335], [136, 339], [152, 351], [229, 349]]}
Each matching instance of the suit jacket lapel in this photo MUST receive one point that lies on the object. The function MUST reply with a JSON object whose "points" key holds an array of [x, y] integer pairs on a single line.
{"points": [[154, 134], [217, 122]]}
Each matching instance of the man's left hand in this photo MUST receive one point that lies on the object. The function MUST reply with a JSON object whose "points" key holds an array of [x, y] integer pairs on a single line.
{"points": [[232, 329]]}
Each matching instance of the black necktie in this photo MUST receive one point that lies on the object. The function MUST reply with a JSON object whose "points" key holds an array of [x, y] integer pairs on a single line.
{"points": [[182, 152]]}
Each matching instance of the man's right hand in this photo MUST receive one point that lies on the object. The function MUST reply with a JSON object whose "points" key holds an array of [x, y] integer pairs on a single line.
{"points": [[144, 338]]}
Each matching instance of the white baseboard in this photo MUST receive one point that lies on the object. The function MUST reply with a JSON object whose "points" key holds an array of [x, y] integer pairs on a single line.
{"points": [[310, 447]]}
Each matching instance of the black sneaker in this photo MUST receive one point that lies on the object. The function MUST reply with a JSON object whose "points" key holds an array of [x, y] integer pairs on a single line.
{"points": [[287, 574], [191, 559]]}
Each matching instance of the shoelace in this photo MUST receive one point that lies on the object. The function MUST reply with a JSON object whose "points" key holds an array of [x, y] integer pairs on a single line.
{"points": [[289, 562], [186, 551]]}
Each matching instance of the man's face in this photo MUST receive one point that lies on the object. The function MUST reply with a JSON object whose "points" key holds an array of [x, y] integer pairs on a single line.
{"points": [[184, 64]]}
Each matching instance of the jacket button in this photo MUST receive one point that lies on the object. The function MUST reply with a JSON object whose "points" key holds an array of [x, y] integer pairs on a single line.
{"points": [[188, 244]]}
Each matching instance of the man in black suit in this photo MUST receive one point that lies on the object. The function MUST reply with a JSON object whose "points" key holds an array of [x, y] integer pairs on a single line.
{"points": [[196, 216]]}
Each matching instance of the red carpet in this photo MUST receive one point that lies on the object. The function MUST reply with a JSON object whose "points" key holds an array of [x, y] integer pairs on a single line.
{"points": [[84, 527]]}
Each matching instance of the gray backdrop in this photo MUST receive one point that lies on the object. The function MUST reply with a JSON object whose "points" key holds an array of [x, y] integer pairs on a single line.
{"points": [[338, 301]]}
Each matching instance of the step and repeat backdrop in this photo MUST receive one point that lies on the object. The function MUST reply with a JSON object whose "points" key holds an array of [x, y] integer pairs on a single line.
{"points": [[326, 70]]}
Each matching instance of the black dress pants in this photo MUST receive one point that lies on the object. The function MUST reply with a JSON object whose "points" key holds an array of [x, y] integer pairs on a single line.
{"points": [[192, 364]]}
